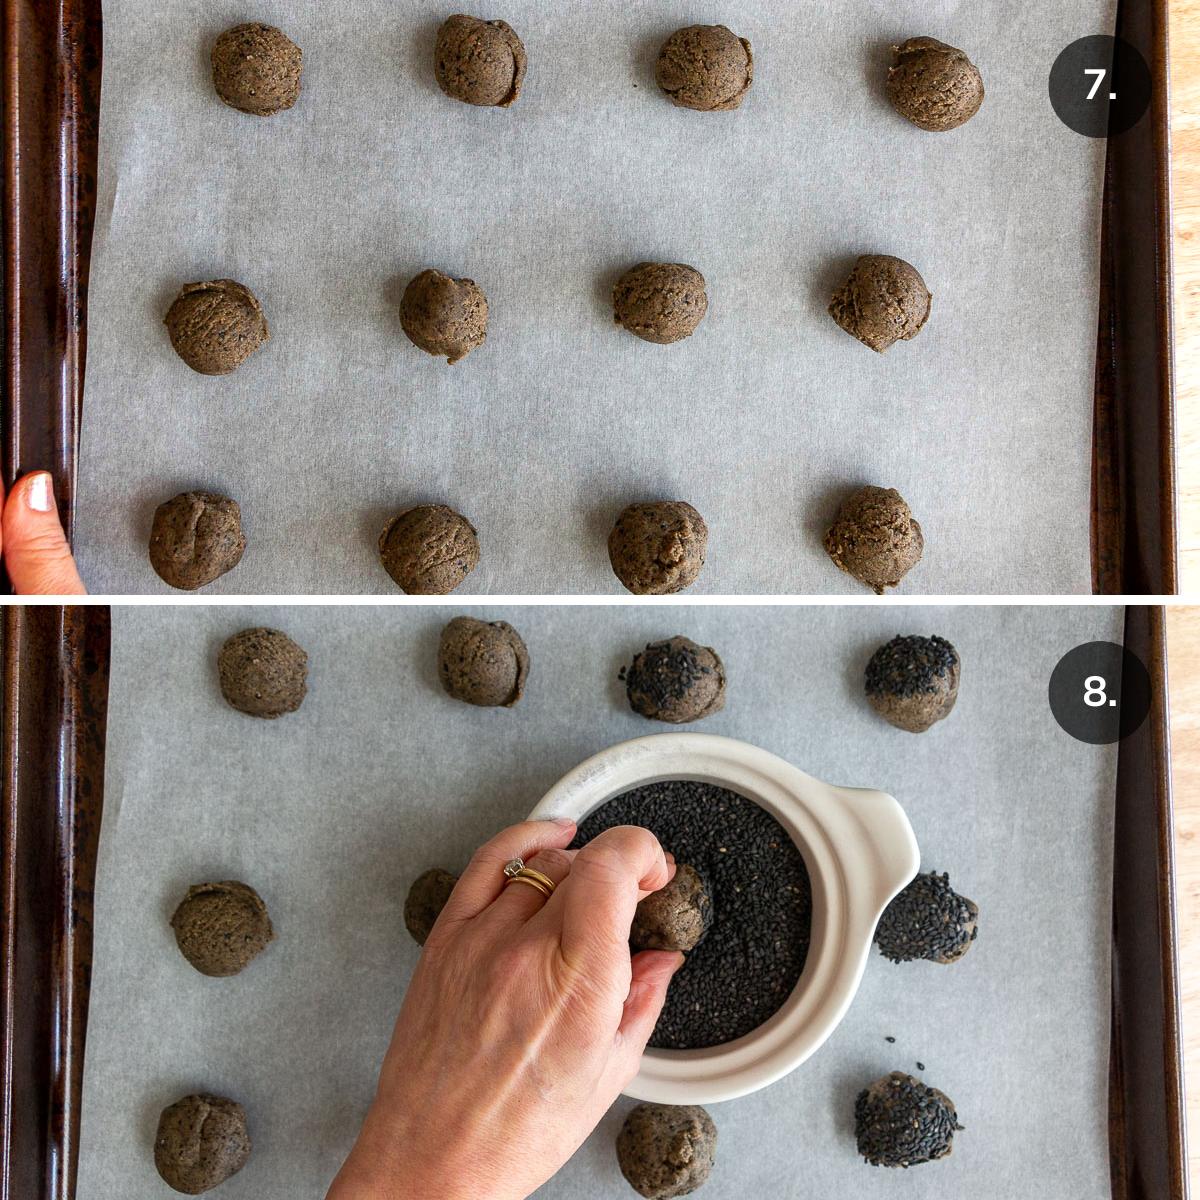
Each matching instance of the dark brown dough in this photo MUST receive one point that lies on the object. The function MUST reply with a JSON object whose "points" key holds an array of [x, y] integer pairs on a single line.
{"points": [[675, 917], [425, 901], [429, 550], [222, 928], [884, 301], [215, 326], [444, 316], [676, 681], [933, 85], [483, 663], [705, 67], [912, 682], [263, 672], [201, 1141], [875, 538], [256, 69], [660, 302], [666, 1150], [658, 548], [479, 62], [196, 537]]}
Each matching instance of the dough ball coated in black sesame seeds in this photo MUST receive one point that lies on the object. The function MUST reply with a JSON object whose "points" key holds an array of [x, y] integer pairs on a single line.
{"points": [[263, 673], [666, 1150], [929, 920], [425, 901], [675, 917], [676, 681], [912, 682], [901, 1122]]}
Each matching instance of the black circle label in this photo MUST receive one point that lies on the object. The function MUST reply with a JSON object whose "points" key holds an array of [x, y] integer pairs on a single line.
{"points": [[1100, 86], [1100, 692]]}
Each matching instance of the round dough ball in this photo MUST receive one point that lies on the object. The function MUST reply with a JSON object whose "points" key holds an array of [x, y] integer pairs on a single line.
{"points": [[215, 326], [666, 1150], [479, 62], [429, 550], [676, 681], [221, 928], [928, 919], [263, 673], [443, 315], [201, 1141], [196, 537], [256, 69], [658, 548], [482, 663], [901, 1122], [884, 301], [660, 302], [933, 85], [675, 917], [912, 682], [875, 538], [426, 899], [705, 67]]}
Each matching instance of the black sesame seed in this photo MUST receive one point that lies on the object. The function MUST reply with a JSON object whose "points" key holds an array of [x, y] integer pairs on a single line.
{"points": [[890, 1039], [920, 1066], [910, 666], [753, 954]]}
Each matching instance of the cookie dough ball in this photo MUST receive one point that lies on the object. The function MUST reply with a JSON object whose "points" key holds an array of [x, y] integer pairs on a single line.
{"points": [[705, 67], [483, 663], [263, 673], [929, 920], [658, 548], [201, 1141], [215, 326], [443, 315], [875, 538], [256, 69], [660, 302], [221, 928], [196, 537], [426, 899], [900, 1122], [912, 682], [933, 85], [675, 917], [884, 301], [676, 681], [666, 1150], [429, 550], [479, 62]]}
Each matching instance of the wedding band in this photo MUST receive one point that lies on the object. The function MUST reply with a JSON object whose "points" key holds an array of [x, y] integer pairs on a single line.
{"points": [[515, 871]]}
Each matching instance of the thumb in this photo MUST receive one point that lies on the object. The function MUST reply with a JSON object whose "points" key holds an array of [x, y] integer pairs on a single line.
{"points": [[36, 553], [652, 972]]}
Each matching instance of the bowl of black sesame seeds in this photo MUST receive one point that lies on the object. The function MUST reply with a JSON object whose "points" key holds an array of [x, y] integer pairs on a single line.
{"points": [[799, 873]]}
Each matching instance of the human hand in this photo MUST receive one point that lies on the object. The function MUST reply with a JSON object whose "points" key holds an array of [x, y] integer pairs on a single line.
{"points": [[32, 542], [524, 1020]]}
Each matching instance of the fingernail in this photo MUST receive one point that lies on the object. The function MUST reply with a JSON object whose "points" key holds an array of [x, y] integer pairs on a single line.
{"points": [[564, 821], [39, 495]]}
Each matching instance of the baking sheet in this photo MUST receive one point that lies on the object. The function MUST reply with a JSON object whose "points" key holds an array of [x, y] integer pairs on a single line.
{"points": [[763, 420], [331, 812]]}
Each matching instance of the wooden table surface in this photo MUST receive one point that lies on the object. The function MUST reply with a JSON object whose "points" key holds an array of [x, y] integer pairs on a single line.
{"points": [[1183, 654], [1185, 133]]}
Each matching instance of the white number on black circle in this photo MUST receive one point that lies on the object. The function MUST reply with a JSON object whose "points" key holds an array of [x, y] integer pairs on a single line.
{"points": [[1093, 692]]}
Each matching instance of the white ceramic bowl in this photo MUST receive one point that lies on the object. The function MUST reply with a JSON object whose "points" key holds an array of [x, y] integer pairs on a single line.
{"points": [[859, 849]]}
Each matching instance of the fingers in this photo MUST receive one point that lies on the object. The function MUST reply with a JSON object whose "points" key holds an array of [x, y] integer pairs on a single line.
{"points": [[519, 901], [483, 879], [597, 899], [36, 553], [653, 971]]}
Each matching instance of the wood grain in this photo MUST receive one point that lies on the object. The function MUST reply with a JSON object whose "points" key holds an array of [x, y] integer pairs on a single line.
{"points": [[1185, 173], [1183, 651]]}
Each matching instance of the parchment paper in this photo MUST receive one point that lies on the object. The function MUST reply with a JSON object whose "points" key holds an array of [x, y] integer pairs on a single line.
{"points": [[333, 811], [764, 420]]}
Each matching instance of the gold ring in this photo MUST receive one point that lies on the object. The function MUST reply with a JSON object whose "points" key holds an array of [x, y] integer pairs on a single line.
{"points": [[515, 871]]}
